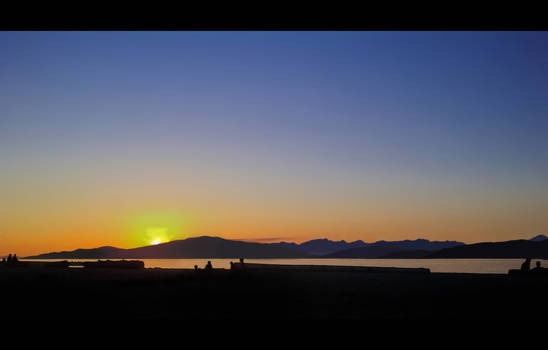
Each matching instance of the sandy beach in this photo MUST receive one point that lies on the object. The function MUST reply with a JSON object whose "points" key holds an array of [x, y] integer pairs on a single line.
{"points": [[79, 293]]}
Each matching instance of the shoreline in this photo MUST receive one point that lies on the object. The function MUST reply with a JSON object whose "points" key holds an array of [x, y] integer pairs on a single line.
{"points": [[491, 266], [184, 294]]}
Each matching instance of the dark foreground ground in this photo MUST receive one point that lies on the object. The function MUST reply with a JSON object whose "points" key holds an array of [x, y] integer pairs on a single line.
{"points": [[41, 293]]}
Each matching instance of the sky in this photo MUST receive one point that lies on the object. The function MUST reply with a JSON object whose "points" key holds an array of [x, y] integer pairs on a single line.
{"points": [[129, 138]]}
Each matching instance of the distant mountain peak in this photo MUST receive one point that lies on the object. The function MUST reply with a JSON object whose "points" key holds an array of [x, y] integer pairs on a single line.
{"points": [[539, 238]]}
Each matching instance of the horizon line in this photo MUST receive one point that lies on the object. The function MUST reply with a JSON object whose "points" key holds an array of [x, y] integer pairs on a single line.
{"points": [[255, 241]]}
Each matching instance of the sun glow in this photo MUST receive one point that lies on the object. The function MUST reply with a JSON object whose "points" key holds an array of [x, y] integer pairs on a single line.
{"points": [[157, 235], [153, 227]]}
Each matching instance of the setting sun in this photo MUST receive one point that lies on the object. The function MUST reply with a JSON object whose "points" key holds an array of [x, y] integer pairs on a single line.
{"points": [[157, 235]]}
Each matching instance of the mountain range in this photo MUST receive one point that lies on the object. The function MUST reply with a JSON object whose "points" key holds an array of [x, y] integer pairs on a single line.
{"points": [[325, 247], [522, 248], [196, 247], [216, 247]]}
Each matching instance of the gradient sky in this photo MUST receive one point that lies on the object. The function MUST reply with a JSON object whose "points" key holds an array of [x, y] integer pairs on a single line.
{"points": [[121, 138]]}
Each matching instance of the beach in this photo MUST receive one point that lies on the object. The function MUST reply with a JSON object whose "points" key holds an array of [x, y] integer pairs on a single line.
{"points": [[80, 293]]}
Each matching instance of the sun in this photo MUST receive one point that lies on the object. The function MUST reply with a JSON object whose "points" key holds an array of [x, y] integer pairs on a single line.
{"points": [[152, 228], [157, 235]]}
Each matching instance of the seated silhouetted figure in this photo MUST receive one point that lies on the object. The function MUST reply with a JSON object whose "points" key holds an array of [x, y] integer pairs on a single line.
{"points": [[526, 266], [195, 267], [15, 258], [537, 268], [208, 266], [9, 258]]}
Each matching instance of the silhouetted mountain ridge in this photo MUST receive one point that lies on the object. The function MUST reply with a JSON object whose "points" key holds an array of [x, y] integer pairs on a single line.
{"points": [[539, 238], [196, 247], [216, 247], [326, 247], [516, 249], [321, 246]]}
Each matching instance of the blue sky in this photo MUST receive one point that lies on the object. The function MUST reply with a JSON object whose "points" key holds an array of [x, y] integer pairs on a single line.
{"points": [[399, 113]]}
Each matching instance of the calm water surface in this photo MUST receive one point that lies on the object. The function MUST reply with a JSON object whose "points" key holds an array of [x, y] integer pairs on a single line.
{"points": [[435, 265]]}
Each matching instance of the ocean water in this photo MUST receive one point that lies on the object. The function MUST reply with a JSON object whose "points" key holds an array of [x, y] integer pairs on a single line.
{"points": [[435, 265]]}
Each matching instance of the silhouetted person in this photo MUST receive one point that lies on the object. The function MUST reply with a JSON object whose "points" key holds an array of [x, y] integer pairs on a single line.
{"points": [[208, 266], [15, 258], [537, 268], [195, 267], [9, 258], [526, 266]]}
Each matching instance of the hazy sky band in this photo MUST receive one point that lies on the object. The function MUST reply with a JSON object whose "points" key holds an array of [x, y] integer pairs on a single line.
{"points": [[346, 135]]}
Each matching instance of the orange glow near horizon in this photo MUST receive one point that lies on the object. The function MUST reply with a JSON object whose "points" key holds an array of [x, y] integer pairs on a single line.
{"points": [[59, 216], [42, 222], [133, 138], [156, 227]]}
